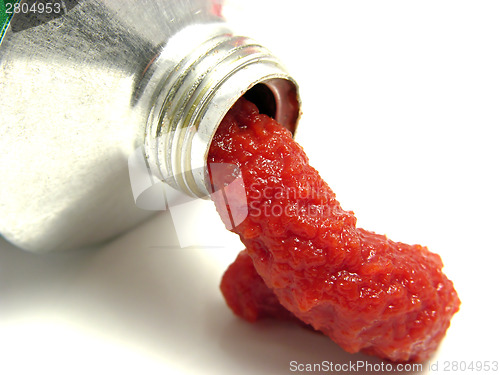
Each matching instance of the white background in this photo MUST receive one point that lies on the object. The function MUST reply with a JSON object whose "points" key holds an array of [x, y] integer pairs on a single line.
{"points": [[400, 114]]}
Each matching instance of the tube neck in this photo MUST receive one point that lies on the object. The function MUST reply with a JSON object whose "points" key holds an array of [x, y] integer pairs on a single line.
{"points": [[197, 92]]}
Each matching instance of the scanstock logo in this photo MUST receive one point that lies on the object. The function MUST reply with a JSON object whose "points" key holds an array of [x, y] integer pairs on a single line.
{"points": [[151, 193]]}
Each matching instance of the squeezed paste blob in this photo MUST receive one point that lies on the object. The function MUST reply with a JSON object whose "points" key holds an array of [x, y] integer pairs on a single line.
{"points": [[366, 292]]}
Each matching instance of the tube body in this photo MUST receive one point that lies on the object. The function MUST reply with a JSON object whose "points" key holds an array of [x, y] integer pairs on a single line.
{"points": [[84, 89]]}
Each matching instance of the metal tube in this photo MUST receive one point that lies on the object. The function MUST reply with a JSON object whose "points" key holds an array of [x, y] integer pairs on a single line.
{"points": [[80, 91]]}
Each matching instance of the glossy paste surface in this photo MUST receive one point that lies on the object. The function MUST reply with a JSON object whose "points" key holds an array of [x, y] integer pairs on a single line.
{"points": [[366, 292]]}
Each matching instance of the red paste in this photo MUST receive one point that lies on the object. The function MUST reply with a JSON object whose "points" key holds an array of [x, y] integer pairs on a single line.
{"points": [[366, 292], [247, 294]]}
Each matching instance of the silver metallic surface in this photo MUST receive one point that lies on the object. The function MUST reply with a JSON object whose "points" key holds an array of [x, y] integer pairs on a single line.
{"points": [[194, 99], [82, 91]]}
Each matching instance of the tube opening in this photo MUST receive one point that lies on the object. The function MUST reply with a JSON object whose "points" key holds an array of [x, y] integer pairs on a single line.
{"points": [[196, 95], [277, 98], [263, 98]]}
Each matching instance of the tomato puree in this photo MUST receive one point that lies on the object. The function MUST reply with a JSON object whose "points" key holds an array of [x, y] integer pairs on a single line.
{"points": [[305, 258]]}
